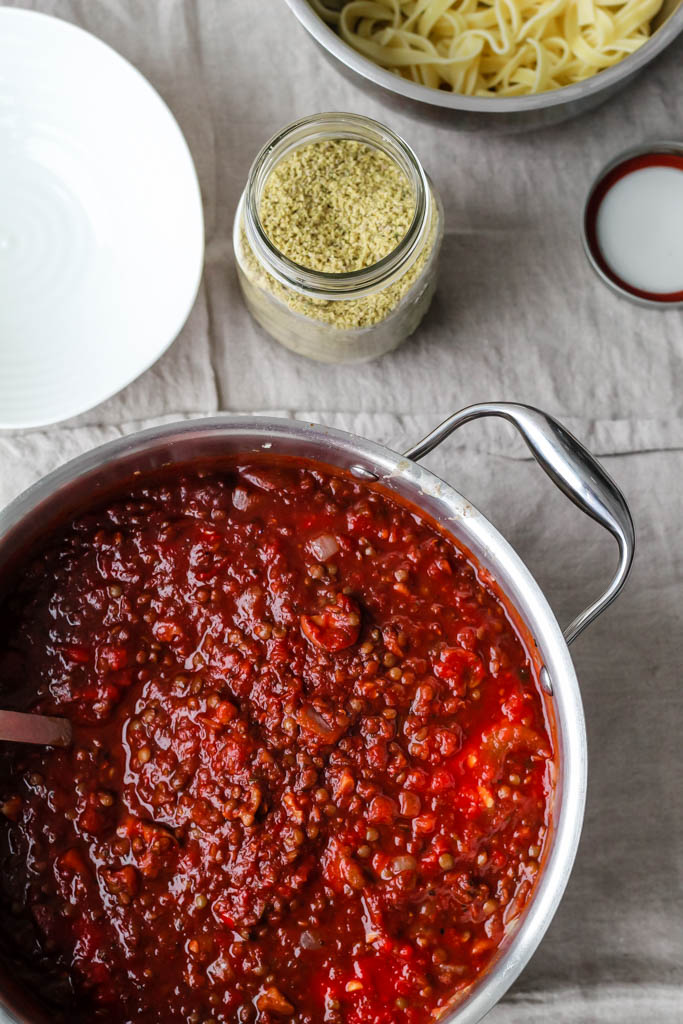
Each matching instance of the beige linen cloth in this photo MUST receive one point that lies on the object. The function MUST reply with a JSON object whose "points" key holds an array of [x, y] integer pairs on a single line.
{"points": [[519, 316]]}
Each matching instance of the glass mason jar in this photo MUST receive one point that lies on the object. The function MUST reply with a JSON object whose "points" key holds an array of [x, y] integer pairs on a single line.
{"points": [[340, 317]]}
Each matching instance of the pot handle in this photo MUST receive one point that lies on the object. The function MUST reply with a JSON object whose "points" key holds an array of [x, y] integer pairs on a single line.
{"points": [[573, 469]]}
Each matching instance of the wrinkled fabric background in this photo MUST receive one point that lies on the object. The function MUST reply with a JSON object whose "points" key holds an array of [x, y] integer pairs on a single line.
{"points": [[519, 316]]}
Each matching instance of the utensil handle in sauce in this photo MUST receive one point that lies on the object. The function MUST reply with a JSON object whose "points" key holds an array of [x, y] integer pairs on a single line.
{"points": [[19, 727]]}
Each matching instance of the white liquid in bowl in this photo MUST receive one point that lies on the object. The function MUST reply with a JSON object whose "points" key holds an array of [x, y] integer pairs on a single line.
{"points": [[639, 228]]}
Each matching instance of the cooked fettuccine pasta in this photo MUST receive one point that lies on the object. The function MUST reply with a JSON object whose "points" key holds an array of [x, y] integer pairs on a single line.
{"points": [[492, 47]]}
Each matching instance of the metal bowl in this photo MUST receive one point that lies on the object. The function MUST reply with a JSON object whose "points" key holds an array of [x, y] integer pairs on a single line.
{"points": [[88, 479], [478, 113]]}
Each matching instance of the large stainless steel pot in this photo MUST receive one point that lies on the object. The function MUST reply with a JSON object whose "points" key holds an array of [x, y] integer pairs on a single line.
{"points": [[91, 476], [479, 113]]}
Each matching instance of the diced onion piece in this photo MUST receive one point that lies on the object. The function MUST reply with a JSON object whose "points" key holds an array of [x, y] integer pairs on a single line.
{"points": [[311, 719], [323, 547]]}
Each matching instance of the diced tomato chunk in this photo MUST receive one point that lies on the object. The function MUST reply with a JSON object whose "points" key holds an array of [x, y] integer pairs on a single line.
{"points": [[460, 667], [168, 632], [125, 880], [81, 655], [382, 810], [336, 627], [112, 658]]}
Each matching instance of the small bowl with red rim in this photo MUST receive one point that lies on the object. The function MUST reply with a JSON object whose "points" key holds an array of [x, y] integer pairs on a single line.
{"points": [[633, 224]]}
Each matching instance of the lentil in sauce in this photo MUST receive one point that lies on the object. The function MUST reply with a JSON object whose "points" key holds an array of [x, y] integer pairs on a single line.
{"points": [[311, 771]]}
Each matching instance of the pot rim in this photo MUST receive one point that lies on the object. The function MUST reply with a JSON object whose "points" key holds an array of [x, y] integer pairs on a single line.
{"points": [[470, 528], [363, 66]]}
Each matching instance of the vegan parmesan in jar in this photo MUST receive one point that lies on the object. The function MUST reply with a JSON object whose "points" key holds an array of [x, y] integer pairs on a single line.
{"points": [[337, 236]]}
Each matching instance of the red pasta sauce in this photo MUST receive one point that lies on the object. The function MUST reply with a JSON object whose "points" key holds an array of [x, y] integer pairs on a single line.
{"points": [[311, 773]]}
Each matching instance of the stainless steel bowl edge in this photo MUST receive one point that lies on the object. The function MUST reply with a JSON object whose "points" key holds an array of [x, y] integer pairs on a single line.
{"points": [[475, 113], [78, 484]]}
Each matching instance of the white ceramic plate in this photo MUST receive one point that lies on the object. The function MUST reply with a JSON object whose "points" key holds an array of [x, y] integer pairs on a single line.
{"points": [[101, 230]]}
